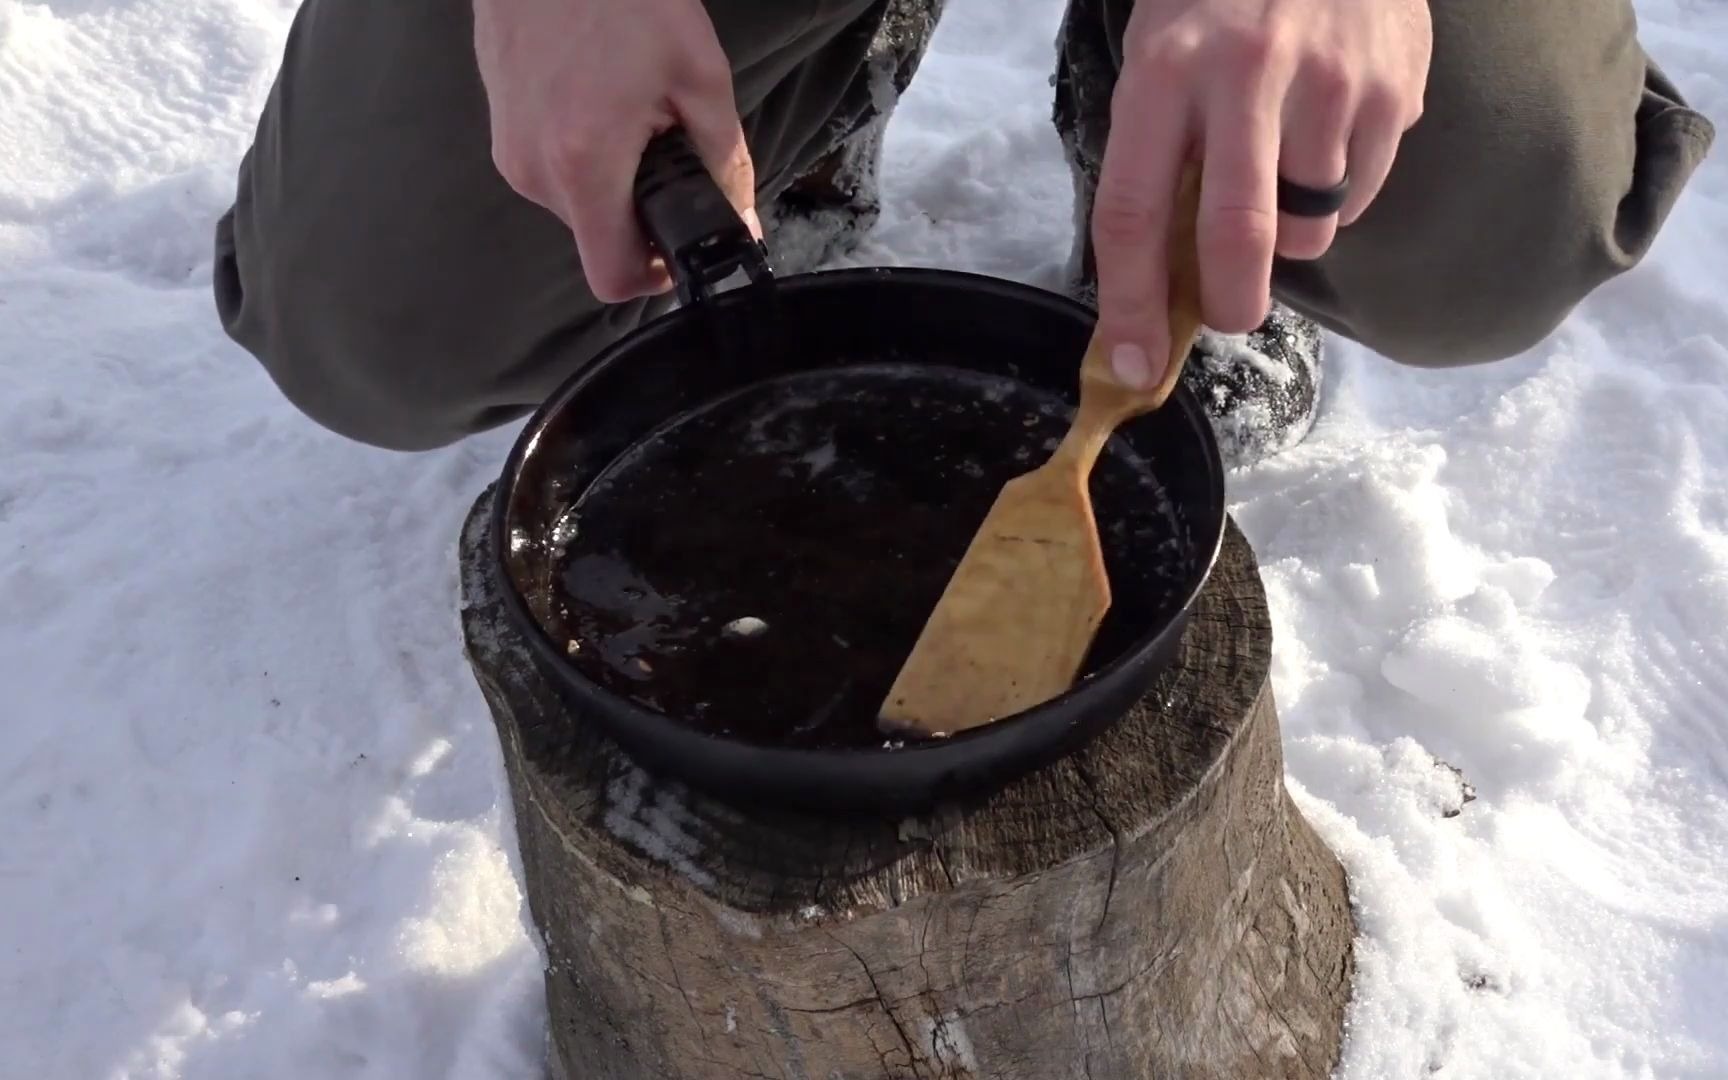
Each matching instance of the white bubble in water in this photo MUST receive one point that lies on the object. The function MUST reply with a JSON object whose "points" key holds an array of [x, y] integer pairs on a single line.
{"points": [[747, 627]]}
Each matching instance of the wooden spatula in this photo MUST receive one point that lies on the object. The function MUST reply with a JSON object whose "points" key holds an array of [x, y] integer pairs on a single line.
{"points": [[1017, 617]]}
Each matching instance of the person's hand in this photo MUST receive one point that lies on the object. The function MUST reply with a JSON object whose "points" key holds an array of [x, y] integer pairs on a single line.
{"points": [[1313, 90], [576, 89]]}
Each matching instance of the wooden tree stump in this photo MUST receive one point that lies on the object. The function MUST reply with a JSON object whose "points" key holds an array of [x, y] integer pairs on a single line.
{"points": [[1153, 906]]}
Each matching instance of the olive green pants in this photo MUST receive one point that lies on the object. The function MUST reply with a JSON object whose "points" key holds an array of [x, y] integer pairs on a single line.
{"points": [[400, 293]]}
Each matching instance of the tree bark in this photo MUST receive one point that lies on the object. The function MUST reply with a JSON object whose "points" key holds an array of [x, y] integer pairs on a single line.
{"points": [[1151, 906]]}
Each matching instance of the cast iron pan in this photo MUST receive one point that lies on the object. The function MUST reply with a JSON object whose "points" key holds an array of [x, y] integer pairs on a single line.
{"points": [[980, 345]]}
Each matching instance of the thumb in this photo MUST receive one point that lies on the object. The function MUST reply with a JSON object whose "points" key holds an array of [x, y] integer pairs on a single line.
{"points": [[712, 123]]}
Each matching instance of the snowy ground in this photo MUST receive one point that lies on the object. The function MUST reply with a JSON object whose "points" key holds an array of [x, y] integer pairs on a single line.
{"points": [[255, 823]]}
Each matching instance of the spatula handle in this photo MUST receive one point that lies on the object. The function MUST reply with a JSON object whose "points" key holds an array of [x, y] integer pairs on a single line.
{"points": [[1183, 268]]}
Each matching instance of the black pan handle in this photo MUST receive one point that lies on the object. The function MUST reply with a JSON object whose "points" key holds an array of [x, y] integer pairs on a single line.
{"points": [[690, 222]]}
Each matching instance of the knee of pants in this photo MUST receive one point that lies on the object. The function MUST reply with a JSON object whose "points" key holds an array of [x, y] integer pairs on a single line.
{"points": [[1441, 313], [379, 405], [333, 376], [1497, 223], [402, 372]]}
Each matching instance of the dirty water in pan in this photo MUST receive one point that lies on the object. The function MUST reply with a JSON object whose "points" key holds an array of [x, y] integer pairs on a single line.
{"points": [[761, 567]]}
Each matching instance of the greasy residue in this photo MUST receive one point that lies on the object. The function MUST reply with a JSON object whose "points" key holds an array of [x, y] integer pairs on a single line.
{"points": [[763, 566]]}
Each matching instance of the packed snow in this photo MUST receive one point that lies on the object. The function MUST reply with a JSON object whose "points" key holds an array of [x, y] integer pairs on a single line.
{"points": [[255, 815]]}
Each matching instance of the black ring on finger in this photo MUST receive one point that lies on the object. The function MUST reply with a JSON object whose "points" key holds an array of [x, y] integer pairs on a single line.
{"points": [[1299, 201]]}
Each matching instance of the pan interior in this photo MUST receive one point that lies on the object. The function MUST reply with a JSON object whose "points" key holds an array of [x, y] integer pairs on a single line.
{"points": [[759, 567]]}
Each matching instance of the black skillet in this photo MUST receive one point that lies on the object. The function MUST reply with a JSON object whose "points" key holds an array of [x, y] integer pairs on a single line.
{"points": [[943, 335]]}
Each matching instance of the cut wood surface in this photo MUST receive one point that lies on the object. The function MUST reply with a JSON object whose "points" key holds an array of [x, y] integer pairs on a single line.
{"points": [[1152, 906]]}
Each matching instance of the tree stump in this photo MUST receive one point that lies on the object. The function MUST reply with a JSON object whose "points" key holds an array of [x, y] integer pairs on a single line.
{"points": [[1152, 906]]}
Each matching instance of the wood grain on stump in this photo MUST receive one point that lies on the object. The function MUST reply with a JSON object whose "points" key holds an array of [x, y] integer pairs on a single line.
{"points": [[1152, 906]]}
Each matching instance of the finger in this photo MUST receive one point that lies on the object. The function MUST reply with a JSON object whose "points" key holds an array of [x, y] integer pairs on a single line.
{"points": [[1131, 219], [705, 105], [1373, 149], [1238, 224], [1314, 152], [598, 204]]}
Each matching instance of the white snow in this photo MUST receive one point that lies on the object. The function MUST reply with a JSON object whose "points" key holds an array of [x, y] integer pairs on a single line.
{"points": [[255, 818]]}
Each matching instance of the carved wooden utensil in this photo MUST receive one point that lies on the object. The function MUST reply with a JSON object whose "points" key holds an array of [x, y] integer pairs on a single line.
{"points": [[1016, 619]]}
